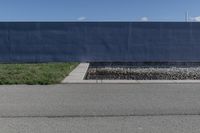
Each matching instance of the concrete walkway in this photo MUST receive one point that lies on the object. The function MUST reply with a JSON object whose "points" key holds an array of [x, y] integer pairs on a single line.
{"points": [[78, 74]]}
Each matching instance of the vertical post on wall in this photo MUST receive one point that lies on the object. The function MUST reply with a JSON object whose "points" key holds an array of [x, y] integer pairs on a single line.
{"points": [[186, 16]]}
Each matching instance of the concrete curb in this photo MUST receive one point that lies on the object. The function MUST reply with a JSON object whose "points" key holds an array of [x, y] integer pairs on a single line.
{"points": [[132, 81]]}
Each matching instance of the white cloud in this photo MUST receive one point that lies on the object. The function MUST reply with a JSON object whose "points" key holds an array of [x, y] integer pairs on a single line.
{"points": [[144, 19], [81, 18], [196, 19]]}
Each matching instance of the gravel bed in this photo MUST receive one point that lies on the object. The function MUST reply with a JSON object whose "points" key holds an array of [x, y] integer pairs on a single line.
{"points": [[147, 71]]}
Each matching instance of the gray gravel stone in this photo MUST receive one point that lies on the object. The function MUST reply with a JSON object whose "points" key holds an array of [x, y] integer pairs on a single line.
{"points": [[145, 71]]}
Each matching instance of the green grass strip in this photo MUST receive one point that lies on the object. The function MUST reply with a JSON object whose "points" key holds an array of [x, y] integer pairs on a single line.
{"points": [[32, 74]]}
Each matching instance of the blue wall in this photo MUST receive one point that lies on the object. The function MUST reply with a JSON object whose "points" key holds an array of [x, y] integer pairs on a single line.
{"points": [[99, 41]]}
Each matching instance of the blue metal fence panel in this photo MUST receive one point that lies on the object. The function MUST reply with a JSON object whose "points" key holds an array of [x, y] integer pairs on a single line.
{"points": [[99, 41]]}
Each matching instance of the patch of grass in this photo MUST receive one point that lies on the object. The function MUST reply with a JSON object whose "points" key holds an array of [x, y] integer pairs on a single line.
{"points": [[44, 73]]}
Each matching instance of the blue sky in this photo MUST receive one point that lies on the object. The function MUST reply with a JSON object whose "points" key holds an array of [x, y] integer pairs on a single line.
{"points": [[98, 10]]}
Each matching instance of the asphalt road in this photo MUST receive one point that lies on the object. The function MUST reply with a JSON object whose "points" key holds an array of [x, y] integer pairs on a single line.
{"points": [[131, 124], [105, 108], [99, 100]]}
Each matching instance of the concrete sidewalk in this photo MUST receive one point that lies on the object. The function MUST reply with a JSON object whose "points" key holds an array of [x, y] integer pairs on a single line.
{"points": [[78, 74], [99, 100]]}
